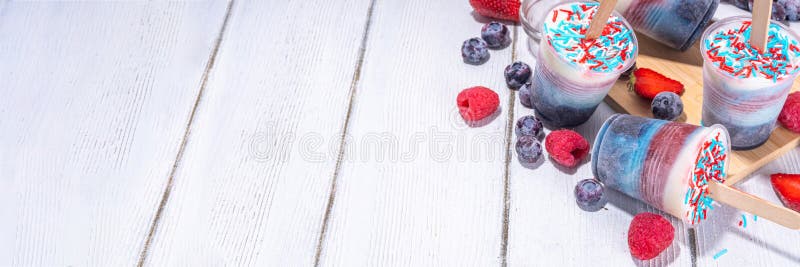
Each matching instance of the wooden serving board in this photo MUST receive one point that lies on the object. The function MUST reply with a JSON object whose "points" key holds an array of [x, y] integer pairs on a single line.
{"points": [[686, 67]]}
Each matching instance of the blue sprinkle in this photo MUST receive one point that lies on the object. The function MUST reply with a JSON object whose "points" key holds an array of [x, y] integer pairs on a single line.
{"points": [[569, 33], [755, 218], [720, 253], [744, 221]]}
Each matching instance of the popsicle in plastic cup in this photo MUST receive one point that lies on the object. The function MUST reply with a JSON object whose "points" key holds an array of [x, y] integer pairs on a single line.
{"points": [[677, 24], [662, 163], [744, 89], [573, 73]]}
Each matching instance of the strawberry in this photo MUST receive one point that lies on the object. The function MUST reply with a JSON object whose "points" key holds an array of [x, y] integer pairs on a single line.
{"points": [[787, 186], [499, 9], [647, 83]]}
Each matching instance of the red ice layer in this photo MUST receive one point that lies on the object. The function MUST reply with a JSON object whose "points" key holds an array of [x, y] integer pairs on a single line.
{"points": [[661, 158]]}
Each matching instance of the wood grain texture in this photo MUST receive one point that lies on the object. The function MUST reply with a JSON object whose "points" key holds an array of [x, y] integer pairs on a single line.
{"points": [[254, 182], [603, 12], [547, 228], [687, 67], [761, 13], [93, 107], [745, 202], [761, 242], [418, 187]]}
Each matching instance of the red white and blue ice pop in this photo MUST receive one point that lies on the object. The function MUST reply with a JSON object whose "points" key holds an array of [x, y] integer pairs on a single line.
{"points": [[744, 88], [574, 73], [668, 165]]}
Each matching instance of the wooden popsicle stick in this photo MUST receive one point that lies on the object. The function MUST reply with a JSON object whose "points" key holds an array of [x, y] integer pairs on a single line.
{"points": [[600, 18], [762, 11], [754, 205]]}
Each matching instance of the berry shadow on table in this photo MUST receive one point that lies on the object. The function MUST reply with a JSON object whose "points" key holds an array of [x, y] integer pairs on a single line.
{"points": [[666, 258], [569, 170], [725, 221], [485, 121]]}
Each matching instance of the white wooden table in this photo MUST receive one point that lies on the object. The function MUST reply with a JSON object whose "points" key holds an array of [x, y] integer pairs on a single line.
{"points": [[295, 133]]}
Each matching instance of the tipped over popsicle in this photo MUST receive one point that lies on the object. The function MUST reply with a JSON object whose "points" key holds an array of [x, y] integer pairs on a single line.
{"points": [[676, 167]]}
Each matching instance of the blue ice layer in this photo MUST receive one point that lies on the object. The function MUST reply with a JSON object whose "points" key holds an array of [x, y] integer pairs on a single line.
{"points": [[743, 137], [624, 148], [553, 102]]}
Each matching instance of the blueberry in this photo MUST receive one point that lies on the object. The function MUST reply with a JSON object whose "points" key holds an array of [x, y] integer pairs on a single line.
{"points": [[495, 34], [475, 51], [667, 106], [525, 94], [529, 150], [528, 125], [589, 195], [517, 74]]}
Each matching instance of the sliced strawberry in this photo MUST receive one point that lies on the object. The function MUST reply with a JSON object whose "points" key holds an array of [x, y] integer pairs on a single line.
{"points": [[648, 83], [499, 9], [787, 186]]}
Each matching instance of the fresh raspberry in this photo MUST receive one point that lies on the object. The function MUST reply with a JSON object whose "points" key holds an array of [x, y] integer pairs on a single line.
{"points": [[566, 147], [790, 114], [476, 103], [649, 235]]}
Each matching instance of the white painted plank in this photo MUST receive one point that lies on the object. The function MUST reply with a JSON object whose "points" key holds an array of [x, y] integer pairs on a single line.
{"points": [[93, 107], [548, 228], [761, 242], [417, 186], [253, 185]]}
